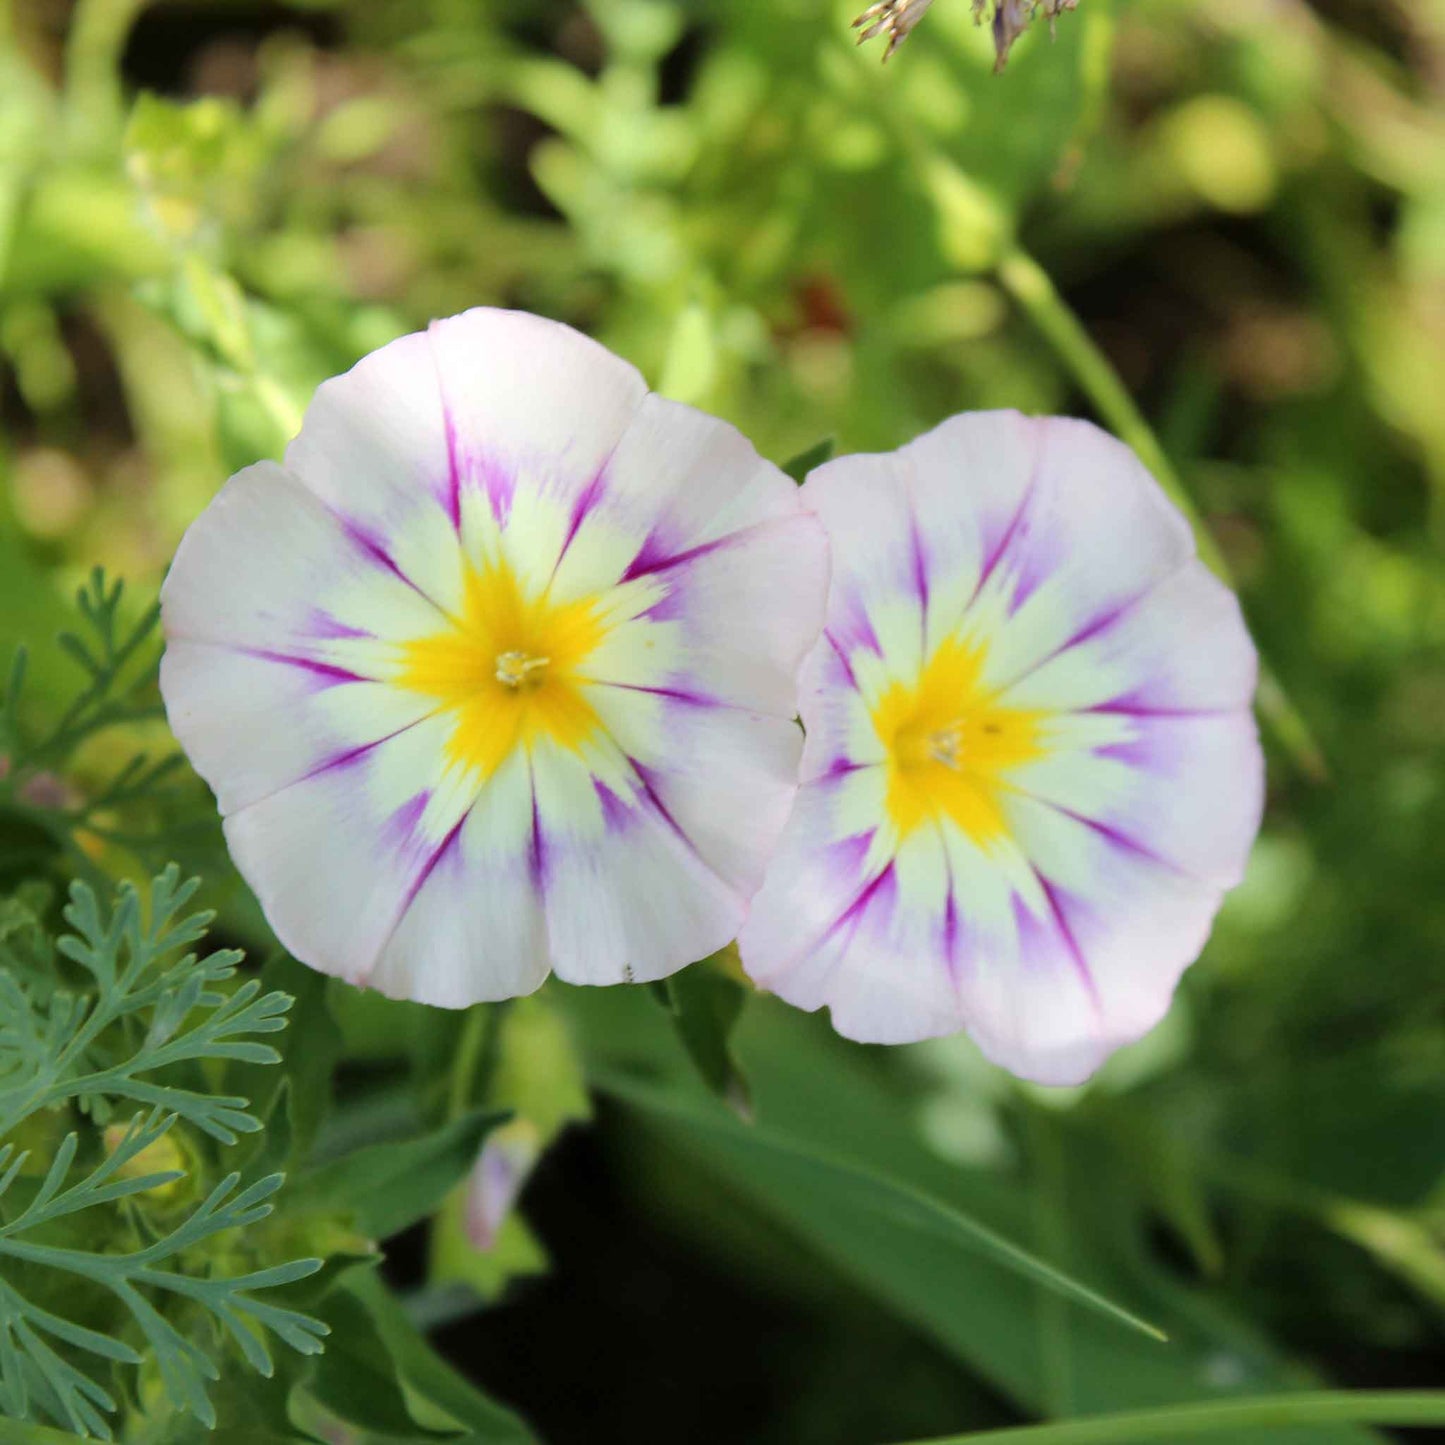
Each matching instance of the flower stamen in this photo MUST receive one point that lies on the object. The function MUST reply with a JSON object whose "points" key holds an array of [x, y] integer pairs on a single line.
{"points": [[517, 670], [946, 746]]}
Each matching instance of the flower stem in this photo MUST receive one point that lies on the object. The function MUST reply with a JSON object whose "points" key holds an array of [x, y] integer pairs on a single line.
{"points": [[476, 1055], [1031, 288], [1178, 1422]]}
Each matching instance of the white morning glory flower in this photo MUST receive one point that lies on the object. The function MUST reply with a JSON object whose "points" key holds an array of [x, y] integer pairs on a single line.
{"points": [[1031, 768], [495, 674]]}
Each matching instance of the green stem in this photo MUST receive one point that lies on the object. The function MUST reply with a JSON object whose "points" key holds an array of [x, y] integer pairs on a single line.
{"points": [[476, 1055], [1178, 1422], [1046, 1157], [98, 33], [1031, 288]]}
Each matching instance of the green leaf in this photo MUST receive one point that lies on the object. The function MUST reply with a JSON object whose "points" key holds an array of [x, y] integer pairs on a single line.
{"points": [[1181, 1422], [391, 1186], [152, 1014], [705, 1004], [859, 1201], [434, 1382], [825, 1094], [357, 1378], [799, 466]]}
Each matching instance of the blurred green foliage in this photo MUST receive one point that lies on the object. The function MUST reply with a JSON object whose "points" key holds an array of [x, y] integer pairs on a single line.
{"points": [[1238, 213]]}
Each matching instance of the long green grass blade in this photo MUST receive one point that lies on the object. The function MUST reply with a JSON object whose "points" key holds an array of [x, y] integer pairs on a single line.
{"points": [[843, 1183], [1179, 1422]]}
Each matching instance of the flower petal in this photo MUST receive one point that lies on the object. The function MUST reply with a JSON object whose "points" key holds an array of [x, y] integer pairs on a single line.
{"points": [[473, 928], [373, 448], [336, 857], [533, 408], [681, 746], [627, 895], [262, 681]]}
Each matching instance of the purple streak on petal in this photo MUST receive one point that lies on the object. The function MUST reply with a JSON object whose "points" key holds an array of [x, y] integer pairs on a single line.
{"points": [[326, 670], [917, 562], [591, 494], [848, 855], [537, 853], [840, 768], [1134, 704], [373, 548], [400, 828], [1091, 631], [1013, 529], [1016, 523], [670, 607], [651, 556], [842, 659], [886, 883], [1138, 752], [689, 696], [617, 814], [430, 865], [322, 624], [466, 467], [952, 936], [1116, 837], [1102, 624], [1034, 569], [355, 754], [849, 623], [494, 481], [1034, 939], [646, 777], [1056, 897], [453, 499], [648, 563]]}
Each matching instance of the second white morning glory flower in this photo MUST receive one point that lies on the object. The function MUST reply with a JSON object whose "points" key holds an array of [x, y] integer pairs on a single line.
{"points": [[1031, 769], [496, 673]]}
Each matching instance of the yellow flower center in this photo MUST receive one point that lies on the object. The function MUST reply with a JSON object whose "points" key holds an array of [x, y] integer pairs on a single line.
{"points": [[509, 668], [951, 743]]}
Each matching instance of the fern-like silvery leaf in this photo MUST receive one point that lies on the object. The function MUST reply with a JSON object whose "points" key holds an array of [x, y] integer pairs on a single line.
{"points": [[152, 1013], [117, 651]]}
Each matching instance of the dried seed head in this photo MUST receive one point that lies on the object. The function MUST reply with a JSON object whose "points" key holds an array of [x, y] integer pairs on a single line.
{"points": [[893, 17], [1012, 17], [1008, 19]]}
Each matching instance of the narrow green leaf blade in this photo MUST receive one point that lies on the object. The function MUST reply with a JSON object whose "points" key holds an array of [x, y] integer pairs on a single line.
{"points": [[849, 1189], [705, 1004], [431, 1378], [1188, 1422]]}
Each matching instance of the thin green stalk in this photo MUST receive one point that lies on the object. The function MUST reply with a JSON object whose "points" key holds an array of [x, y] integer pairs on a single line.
{"points": [[476, 1055], [1179, 1422], [98, 33], [469, 1053], [1046, 1156], [1030, 286]]}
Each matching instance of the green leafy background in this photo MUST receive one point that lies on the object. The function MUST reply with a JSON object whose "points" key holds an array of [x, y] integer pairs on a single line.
{"points": [[1216, 227]]}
